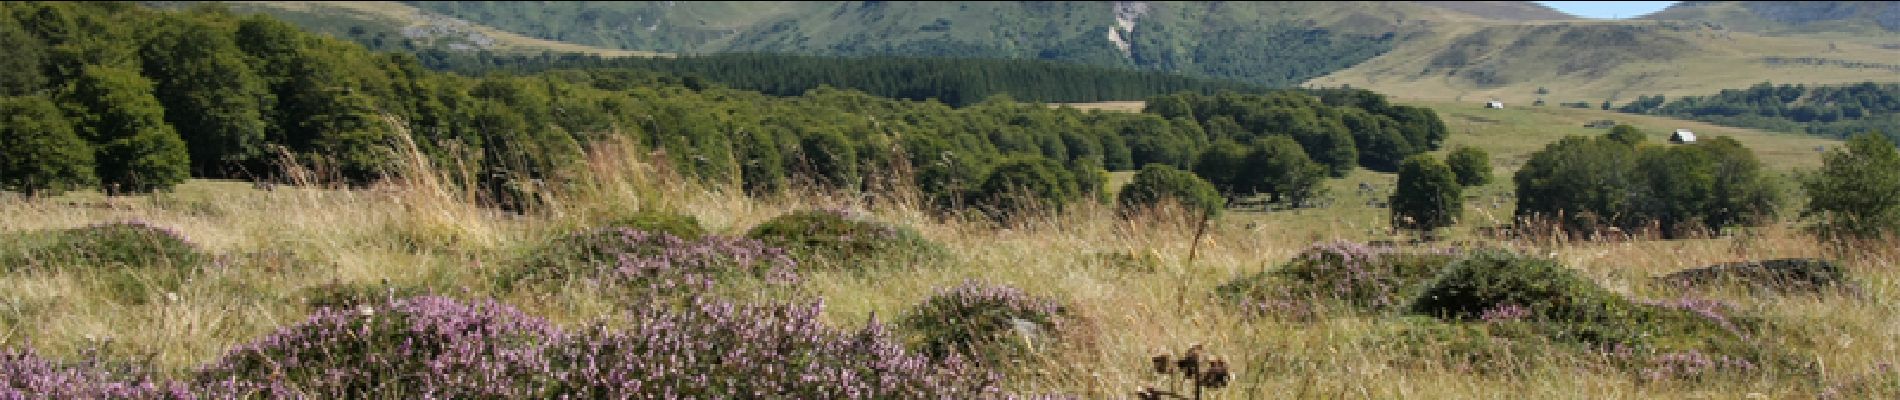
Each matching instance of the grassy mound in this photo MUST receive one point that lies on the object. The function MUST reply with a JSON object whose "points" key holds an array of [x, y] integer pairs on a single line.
{"points": [[620, 256], [106, 246], [1525, 299], [835, 236], [676, 224], [133, 261], [1344, 274], [989, 322]]}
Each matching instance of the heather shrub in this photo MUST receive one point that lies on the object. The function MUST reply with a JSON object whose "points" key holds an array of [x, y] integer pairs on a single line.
{"points": [[423, 347], [839, 236], [618, 256], [989, 322], [25, 375], [676, 224], [713, 349], [354, 294], [1342, 273]]}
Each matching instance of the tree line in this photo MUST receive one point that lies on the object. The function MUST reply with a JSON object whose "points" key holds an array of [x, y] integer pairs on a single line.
{"points": [[955, 81], [1827, 110], [126, 99]]}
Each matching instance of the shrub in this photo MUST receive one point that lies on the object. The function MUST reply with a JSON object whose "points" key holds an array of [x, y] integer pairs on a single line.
{"points": [[418, 347], [840, 236], [619, 256], [712, 349], [1352, 274], [25, 375], [1158, 182], [1853, 192], [1471, 165], [989, 322], [676, 224], [1544, 300]]}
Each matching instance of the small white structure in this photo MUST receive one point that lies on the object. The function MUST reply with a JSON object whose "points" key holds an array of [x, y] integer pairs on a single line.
{"points": [[1682, 136], [1494, 104]]}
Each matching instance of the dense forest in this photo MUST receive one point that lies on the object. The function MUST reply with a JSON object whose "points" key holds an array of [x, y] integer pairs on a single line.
{"points": [[1834, 111], [955, 81], [127, 99]]}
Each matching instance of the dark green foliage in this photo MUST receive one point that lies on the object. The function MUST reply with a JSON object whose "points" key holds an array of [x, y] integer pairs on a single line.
{"points": [[210, 95], [830, 158], [1427, 196], [992, 323], [1676, 189], [1626, 134], [137, 151], [955, 81], [1025, 184], [1223, 165], [1486, 280], [1471, 165], [20, 73], [1856, 193], [676, 224], [1158, 183], [1835, 110], [846, 239], [1280, 169], [39, 152]]}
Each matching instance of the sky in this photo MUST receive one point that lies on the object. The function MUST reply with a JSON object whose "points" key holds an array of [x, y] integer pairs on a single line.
{"points": [[1607, 9]]}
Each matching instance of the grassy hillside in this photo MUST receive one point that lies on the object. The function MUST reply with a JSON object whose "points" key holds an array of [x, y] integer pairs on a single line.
{"points": [[1597, 61], [1791, 17], [388, 25]]}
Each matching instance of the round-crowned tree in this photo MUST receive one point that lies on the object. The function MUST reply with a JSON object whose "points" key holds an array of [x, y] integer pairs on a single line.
{"points": [[1157, 183], [1855, 191], [1471, 165], [1428, 196], [39, 153]]}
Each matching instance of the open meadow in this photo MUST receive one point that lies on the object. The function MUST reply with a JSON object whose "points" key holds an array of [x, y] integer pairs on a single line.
{"points": [[1127, 288]]}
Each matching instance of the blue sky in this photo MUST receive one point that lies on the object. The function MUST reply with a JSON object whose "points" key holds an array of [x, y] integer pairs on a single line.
{"points": [[1607, 9]]}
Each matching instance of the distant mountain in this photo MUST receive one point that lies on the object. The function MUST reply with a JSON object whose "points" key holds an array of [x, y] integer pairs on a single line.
{"points": [[1790, 16], [1503, 10], [1275, 43]]}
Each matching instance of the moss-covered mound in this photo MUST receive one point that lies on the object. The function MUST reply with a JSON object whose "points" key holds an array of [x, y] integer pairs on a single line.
{"points": [[842, 237]]}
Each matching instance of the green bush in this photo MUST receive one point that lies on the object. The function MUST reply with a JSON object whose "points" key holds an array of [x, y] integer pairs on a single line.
{"points": [[840, 236], [1158, 182], [1472, 165], [1427, 196], [987, 322], [1853, 192]]}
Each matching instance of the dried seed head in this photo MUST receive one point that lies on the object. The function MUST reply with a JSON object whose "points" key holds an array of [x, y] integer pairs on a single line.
{"points": [[1190, 364], [1148, 393], [1162, 364], [1216, 375]]}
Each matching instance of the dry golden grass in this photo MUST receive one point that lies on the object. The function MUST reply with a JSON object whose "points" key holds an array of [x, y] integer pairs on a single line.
{"points": [[416, 231]]}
